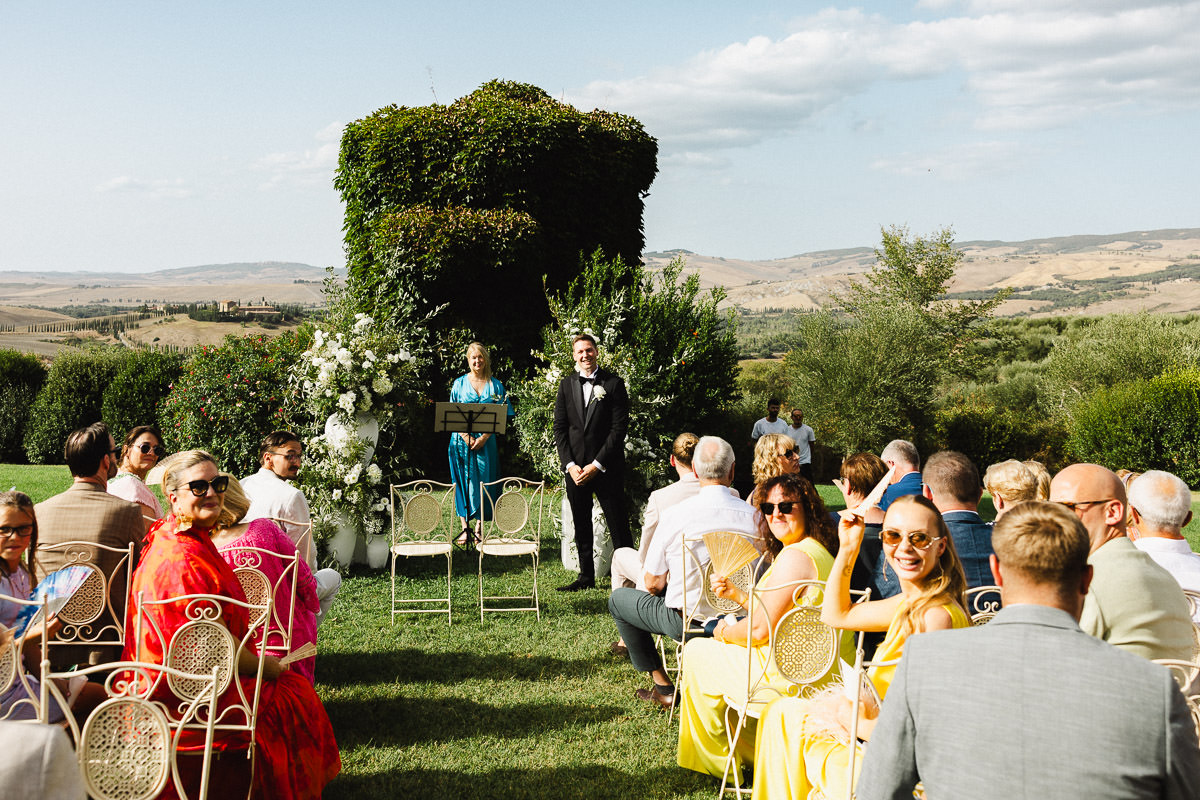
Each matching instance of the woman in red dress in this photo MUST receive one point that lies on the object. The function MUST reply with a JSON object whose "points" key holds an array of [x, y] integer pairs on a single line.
{"points": [[296, 754]]}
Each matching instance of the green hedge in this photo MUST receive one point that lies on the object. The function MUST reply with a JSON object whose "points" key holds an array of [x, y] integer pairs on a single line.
{"points": [[71, 398], [136, 393], [21, 377], [1141, 425]]}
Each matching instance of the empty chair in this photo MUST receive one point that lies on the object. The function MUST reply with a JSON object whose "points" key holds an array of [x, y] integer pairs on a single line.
{"points": [[515, 529], [421, 515]]}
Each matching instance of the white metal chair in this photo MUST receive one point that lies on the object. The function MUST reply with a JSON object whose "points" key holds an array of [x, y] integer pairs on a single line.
{"points": [[801, 648], [420, 513], [201, 646], [983, 603], [515, 529], [95, 614], [127, 747], [276, 636], [302, 534], [30, 707], [1186, 674]]}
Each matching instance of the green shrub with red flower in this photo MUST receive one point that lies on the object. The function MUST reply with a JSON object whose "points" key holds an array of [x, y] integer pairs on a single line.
{"points": [[229, 396]]}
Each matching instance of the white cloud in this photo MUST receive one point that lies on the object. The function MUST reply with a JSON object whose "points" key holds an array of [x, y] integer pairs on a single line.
{"points": [[160, 188], [955, 163], [309, 167], [1023, 63]]}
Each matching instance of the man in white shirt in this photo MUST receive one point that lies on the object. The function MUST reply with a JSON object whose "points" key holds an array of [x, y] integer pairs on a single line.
{"points": [[272, 497], [771, 423], [1161, 505], [804, 438], [659, 608]]}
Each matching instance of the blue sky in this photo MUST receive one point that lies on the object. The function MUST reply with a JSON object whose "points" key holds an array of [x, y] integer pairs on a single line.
{"points": [[139, 135]]}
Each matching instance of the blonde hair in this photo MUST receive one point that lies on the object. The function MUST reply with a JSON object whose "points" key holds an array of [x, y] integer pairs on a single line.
{"points": [[1012, 480], [767, 453], [1043, 478], [236, 504], [945, 583], [487, 359], [179, 462]]}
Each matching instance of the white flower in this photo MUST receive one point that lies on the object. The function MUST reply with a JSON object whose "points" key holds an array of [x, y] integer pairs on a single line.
{"points": [[329, 392], [382, 385], [354, 474], [598, 393], [337, 494], [404, 355], [346, 402], [344, 357], [374, 473]]}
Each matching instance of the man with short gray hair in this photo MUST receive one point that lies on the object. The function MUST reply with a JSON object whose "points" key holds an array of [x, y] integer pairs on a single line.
{"points": [[906, 479], [1161, 505], [659, 609]]}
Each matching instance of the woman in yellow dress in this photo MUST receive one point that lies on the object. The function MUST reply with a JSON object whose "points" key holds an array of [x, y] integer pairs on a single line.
{"points": [[800, 537], [803, 745]]}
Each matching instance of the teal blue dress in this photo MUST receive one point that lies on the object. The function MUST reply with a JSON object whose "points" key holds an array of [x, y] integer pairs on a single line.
{"points": [[485, 463]]}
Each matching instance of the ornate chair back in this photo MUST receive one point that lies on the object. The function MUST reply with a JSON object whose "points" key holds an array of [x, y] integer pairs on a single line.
{"points": [[983, 603], [27, 701], [95, 614], [421, 514], [300, 533], [249, 566], [516, 507]]}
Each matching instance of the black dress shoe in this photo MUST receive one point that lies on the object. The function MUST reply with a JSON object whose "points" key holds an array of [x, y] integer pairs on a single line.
{"points": [[578, 584], [652, 696], [618, 649]]}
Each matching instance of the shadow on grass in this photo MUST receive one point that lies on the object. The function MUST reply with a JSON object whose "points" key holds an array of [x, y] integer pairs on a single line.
{"points": [[411, 665], [589, 782], [406, 721]]}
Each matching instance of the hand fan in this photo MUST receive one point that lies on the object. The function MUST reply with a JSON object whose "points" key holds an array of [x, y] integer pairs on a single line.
{"points": [[728, 551], [871, 500], [57, 588], [307, 650]]}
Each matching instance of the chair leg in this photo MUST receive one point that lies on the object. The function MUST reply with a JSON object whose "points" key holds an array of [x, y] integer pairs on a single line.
{"points": [[394, 557], [481, 586], [536, 605], [449, 573]]}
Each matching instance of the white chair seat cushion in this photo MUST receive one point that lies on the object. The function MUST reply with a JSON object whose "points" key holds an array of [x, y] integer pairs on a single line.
{"points": [[421, 548], [507, 547]]}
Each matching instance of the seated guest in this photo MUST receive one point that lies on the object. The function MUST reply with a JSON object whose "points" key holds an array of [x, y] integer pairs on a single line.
{"points": [[859, 475], [906, 480], [1028, 705], [659, 608], [1043, 478], [86, 512], [1161, 505], [1009, 482], [1133, 603], [142, 450], [804, 744], [272, 497], [775, 454], [19, 533], [231, 533], [627, 563], [296, 752], [799, 538], [952, 483]]}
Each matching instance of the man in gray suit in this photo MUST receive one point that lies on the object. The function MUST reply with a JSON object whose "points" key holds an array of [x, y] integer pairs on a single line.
{"points": [[1029, 705]]}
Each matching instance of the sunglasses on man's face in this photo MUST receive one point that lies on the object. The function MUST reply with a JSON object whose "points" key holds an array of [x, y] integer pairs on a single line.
{"points": [[918, 539], [200, 487], [784, 508], [158, 450]]}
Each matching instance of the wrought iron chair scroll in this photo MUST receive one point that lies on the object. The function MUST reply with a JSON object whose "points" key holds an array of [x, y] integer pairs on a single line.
{"points": [[83, 618], [983, 603], [515, 529], [420, 511], [276, 635], [1187, 675], [1193, 598], [127, 747], [302, 534], [31, 707]]}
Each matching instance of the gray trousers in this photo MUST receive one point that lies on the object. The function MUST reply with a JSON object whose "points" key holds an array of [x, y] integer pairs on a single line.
{"points": [[639, 616]]}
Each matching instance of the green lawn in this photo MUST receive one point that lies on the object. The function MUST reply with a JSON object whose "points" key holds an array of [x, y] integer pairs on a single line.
{"points": [[506, 708]]}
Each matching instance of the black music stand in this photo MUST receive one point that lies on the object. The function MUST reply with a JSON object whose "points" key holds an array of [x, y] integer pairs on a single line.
{"points": [[471, 419]]}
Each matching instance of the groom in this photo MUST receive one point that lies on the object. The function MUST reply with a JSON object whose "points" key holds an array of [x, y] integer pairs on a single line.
{"points": [[591, 414]]}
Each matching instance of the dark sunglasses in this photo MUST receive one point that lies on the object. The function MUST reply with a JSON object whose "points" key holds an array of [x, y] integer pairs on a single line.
{"points": [[792, 453], [158, 449], [200, 487], [784, 508]]}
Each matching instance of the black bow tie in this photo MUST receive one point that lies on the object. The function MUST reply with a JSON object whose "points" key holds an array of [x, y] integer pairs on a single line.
{"points": [[585, 379]]}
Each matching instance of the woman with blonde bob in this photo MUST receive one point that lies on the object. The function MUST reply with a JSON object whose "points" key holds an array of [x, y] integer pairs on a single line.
{"points": [[804, 745], [775, 454]]}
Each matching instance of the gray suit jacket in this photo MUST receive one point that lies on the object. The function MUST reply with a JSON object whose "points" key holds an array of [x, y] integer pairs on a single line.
{"points": [[1029, 706]]}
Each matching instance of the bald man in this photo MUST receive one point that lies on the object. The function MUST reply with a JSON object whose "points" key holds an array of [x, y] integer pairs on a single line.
{"points": [[1133, 603]]}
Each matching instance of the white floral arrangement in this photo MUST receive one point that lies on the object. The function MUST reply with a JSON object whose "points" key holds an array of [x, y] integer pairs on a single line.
{"points": [[351, 379]]}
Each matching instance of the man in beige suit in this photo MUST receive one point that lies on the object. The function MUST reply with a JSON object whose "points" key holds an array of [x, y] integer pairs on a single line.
{"points": [[86, 512]]}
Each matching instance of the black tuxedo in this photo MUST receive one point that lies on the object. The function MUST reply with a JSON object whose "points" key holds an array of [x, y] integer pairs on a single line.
{"points": [[595, 433]]}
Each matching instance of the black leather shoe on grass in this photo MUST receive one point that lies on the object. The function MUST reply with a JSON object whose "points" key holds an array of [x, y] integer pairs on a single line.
{"points": [[652, 696], [578, 585]]}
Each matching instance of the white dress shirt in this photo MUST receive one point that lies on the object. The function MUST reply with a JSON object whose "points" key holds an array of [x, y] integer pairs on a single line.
{"points": [[713, 508], [1176, 557]]}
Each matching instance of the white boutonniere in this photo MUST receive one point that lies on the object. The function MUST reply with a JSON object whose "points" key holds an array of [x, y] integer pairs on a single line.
{"points": [[598, 393]]}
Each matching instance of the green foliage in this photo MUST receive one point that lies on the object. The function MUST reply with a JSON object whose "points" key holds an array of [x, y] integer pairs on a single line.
{"points": [[135, 394], [1142, 424], [766, 378], [71, 398], [229, 396], [469, 205], [1110, 350], [988, 433], [676, 352], [21, 377]]}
